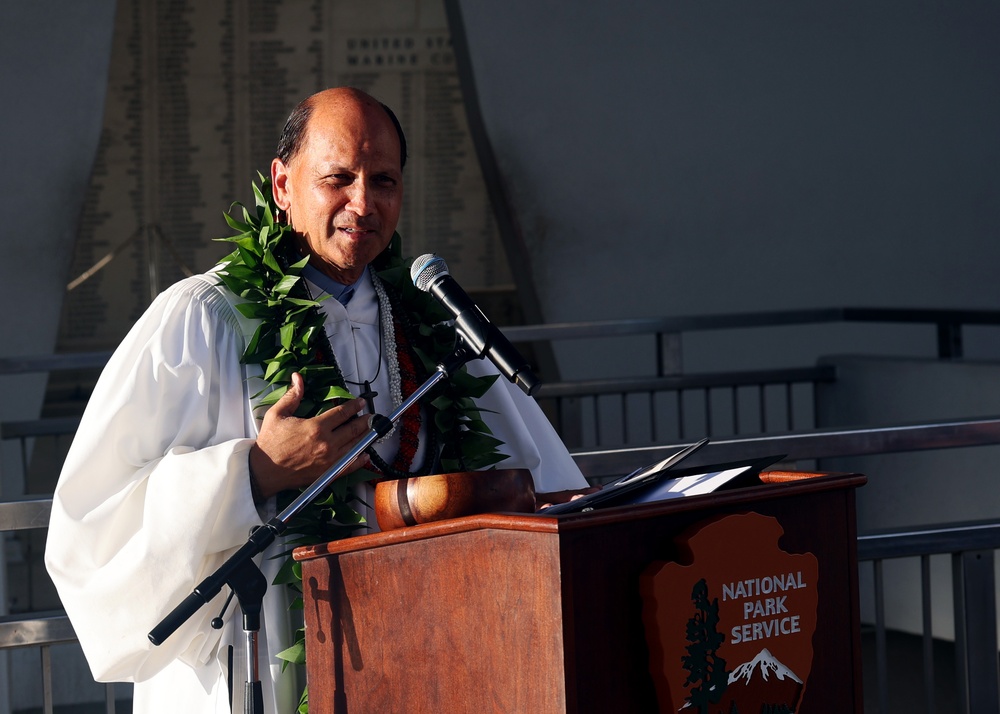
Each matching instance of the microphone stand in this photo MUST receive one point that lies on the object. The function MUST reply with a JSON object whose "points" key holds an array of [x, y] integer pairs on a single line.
{"points": [[243, 576]]}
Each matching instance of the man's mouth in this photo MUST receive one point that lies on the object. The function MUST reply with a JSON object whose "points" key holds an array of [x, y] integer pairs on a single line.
{"points": [[355, 230]]}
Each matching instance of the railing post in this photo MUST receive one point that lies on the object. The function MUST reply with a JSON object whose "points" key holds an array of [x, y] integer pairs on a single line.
{"points": [[6, 689], [881, 640], [949, 336], [669, 360], [977, 670], [48, 701]]}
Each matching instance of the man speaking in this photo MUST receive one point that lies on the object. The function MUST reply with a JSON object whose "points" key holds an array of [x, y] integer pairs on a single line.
{"points": [[174, 462]]}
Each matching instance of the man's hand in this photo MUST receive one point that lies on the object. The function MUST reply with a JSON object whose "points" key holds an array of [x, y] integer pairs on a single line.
{"points": [[544, 500], [292, 452]]}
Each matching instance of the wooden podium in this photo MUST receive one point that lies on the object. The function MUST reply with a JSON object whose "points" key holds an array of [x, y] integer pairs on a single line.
{"points": [[542, 614]]}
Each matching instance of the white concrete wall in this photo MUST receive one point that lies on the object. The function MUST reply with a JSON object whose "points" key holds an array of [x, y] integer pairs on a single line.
{"points": [[673, 158], [53, 69]]}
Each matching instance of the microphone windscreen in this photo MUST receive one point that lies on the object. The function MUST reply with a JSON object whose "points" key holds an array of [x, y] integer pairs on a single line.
{"points": [[426, 269]]}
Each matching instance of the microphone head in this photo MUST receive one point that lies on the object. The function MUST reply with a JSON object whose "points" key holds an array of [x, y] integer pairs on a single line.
{"points": [[426, 269]]}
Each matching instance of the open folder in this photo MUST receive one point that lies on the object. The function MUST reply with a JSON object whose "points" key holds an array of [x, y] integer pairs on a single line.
{"points": [[663, 480]]}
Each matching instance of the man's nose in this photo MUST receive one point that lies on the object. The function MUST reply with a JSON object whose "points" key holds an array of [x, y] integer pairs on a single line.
{"points": [[360, 198]]}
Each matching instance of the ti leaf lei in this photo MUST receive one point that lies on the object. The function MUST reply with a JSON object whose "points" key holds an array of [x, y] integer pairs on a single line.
{"points": [[264, 271]]}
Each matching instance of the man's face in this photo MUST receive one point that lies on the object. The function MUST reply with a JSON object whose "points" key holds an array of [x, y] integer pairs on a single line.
{"points": [[343, 189]]}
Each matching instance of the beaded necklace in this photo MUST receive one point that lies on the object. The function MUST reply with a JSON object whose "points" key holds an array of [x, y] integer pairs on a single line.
{"points": [[403, 378]]}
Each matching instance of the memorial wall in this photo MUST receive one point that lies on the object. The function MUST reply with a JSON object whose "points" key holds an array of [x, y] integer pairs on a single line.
{"points": [[197, 96]]}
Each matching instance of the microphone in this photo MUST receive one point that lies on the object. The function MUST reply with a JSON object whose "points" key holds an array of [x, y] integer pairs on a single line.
{"points": [[430, 274]]}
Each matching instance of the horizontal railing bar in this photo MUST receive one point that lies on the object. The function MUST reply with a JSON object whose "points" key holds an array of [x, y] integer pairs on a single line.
{"points": [[930, 316], [25, 513], [613, 328], [930, 540], [35, 629], [816, 444], [778, 318], [54, 426], [53, 363], [823, 373]]}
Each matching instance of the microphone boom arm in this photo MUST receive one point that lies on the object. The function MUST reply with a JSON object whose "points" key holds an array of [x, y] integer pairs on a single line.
{"points": [[233, 570]]}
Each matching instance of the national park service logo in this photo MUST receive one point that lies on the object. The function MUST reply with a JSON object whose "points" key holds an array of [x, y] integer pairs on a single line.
{"points": [[730, 629]]}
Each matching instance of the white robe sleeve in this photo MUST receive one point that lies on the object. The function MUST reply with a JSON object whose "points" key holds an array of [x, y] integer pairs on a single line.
{"points": [[154, 493], [530, 441]]}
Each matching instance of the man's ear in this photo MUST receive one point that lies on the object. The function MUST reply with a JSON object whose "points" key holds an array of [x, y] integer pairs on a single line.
{"points": [[279, 184]]}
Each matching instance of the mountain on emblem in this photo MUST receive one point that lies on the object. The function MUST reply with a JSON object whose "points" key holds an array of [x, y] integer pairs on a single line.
{"points": [[766, 664], [764, 681]]}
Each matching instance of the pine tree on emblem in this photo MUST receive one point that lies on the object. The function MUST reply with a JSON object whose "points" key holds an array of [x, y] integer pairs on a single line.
{"points": [[706, 670]]}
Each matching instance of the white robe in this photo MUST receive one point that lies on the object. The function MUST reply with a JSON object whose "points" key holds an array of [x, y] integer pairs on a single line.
{"points": [[154, 494]]}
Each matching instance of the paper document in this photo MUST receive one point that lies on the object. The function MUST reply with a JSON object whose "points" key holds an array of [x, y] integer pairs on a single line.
{"points": [[631, 482], [694, 485]]}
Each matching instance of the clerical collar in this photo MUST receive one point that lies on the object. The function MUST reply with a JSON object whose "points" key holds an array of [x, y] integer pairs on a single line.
{"points": [[339, 292]]}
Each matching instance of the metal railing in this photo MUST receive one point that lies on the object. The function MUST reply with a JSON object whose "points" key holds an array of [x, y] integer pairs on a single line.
{"points": [[971, 546], [948, 325], [40, 629], [804, 446], [979, 690], [706, 404], [667, 403], [648, 410]]}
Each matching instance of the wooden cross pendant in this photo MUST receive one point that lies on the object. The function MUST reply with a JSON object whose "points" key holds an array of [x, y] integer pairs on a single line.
{"points": [[369, 396]]}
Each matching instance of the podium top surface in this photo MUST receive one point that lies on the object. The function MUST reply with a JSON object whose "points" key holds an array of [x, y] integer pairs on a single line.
{"points": [[775, 484]]}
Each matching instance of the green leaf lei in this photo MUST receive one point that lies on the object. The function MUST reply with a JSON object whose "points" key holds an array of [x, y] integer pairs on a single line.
{"points": [[264, 271]]}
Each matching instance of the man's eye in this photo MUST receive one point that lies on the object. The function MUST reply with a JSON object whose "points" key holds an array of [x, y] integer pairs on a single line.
{"points": [[336, 181]]}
